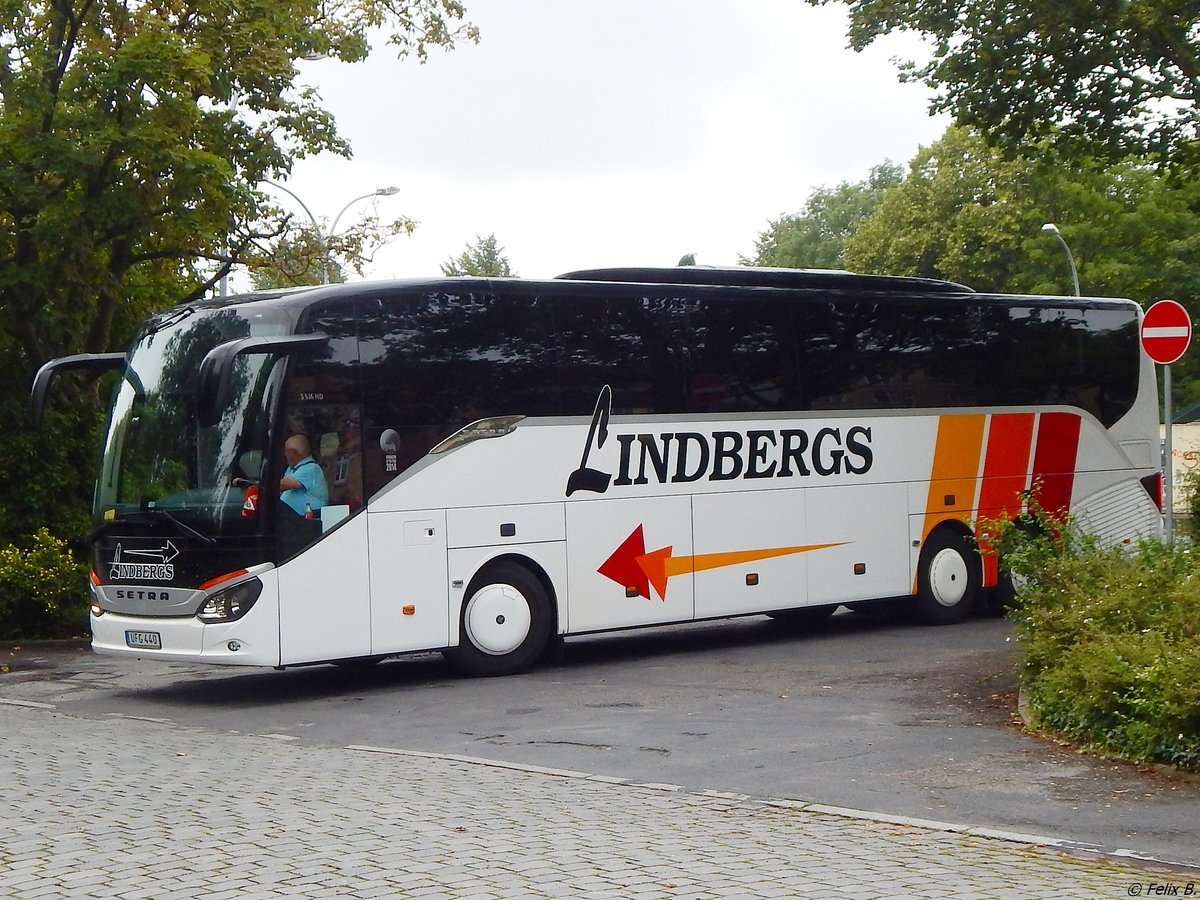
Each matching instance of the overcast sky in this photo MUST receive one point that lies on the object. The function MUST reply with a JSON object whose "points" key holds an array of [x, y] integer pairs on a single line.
{"points": [[628, 132]]}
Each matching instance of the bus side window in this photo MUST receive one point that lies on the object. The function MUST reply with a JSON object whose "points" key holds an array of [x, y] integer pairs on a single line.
{"points": [[323, 402], [342, 461], [636, 345], [744, 357], [436, 360]]}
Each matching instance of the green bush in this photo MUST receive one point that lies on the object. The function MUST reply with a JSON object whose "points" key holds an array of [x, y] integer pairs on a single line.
{"points": [[1191, 497], [1110, 640], [43, 590]]}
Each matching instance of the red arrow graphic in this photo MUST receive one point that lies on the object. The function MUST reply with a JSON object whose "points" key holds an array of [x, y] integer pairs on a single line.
{"points": [[632, 567]]}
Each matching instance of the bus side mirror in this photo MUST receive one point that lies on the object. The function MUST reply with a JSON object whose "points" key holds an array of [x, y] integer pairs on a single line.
{"points": [[47, 373], [216, 369]]}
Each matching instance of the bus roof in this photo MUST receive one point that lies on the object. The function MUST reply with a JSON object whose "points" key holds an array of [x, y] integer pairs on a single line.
{"points": [[762, 276]]}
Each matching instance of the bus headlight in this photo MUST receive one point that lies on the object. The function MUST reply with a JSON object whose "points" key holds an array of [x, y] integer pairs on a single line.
{"points": [[232, 603]]}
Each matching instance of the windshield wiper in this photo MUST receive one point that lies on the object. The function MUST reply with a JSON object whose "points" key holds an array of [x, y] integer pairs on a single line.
{"points": [[144, 515], [169, 318]]}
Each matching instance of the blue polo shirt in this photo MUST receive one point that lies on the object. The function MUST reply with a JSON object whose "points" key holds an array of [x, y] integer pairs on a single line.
{"points": [[315, 492]]}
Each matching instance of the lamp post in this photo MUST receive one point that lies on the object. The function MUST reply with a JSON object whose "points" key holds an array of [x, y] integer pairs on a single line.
{"points": [[326, 237], [234, 99], [1051, 228]]}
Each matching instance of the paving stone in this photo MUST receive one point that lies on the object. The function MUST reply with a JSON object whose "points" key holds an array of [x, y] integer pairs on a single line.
{"points": [[297, 821]]}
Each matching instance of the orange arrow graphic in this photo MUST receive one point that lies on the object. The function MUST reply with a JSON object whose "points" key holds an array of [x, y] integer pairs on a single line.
{"points": [[631, 566], [661, 565]]}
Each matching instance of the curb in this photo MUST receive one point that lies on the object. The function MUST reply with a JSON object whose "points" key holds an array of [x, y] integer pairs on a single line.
{"points": [[1160, 768], [1115, 854]]}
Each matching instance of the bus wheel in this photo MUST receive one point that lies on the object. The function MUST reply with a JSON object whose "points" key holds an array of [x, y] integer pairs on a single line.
{"points": [[948, 579], [505, 622]]}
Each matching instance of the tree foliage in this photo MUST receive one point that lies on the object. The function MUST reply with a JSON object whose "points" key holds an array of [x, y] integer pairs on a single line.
{"points": [[308, 256], [1099, 78], [815, 237], [485, 258], [132, 138], [966, 212]]}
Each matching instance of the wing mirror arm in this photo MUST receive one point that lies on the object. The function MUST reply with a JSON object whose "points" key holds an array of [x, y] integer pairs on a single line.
{"points": [[47, 373], [216, 369]]}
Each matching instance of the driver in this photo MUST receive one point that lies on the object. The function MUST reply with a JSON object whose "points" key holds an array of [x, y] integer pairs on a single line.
{"points": [[302, 486]]}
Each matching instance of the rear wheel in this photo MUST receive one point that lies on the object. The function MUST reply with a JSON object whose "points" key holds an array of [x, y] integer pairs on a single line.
{"points": [[948, 579], [505, 625]]}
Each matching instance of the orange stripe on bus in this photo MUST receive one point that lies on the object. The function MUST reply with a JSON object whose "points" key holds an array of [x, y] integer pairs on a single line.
{"points": [[955, 472], [660, 565]]}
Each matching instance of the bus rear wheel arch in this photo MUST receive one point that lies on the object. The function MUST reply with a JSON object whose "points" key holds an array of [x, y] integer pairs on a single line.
{"points": [[506, 621], [949, 576]]}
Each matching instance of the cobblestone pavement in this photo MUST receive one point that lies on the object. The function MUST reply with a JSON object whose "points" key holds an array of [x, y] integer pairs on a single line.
{"points": [[131, 808]]}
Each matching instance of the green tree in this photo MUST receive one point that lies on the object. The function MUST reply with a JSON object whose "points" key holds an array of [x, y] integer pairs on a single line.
{"points": [[967, 213], [132, 139], [294, 260], [1098, 78], [484, 258], [304, 255], [815, 238]]}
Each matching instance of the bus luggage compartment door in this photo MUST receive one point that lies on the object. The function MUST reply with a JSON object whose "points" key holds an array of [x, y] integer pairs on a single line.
{"points": [[869, 525], [751, 552], [629, 562], [409, 594]]}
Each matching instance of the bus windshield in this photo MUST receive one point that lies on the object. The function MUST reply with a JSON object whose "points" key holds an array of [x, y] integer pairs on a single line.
{"points": [[156, 456]]}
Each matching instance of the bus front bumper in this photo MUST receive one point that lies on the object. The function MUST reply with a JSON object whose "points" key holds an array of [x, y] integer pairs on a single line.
{"points": [[185, 640]]}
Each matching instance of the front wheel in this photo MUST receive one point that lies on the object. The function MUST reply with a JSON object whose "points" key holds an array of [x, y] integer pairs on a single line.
{"points": [[948, 579], [505, 625]]}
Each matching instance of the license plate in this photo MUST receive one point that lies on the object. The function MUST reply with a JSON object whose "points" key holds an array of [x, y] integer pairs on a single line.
{"points": [[148, 639]]}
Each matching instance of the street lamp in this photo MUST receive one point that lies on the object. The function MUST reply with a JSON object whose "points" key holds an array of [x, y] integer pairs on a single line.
{"points": [[326, 237], [381, 192], [1051, 228]]}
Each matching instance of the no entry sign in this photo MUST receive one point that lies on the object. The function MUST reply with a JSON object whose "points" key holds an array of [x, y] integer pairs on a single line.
{"points": [[1166, 331]]}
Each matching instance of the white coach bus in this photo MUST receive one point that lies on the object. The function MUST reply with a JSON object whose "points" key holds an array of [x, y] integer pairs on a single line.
{"points": [[509, 461]]}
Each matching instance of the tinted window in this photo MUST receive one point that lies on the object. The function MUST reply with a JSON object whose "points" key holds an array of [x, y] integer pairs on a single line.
{"points": [[624, 336], [434, 361], [744, 355], [908, 353], [437, 359], [323, 402]]}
